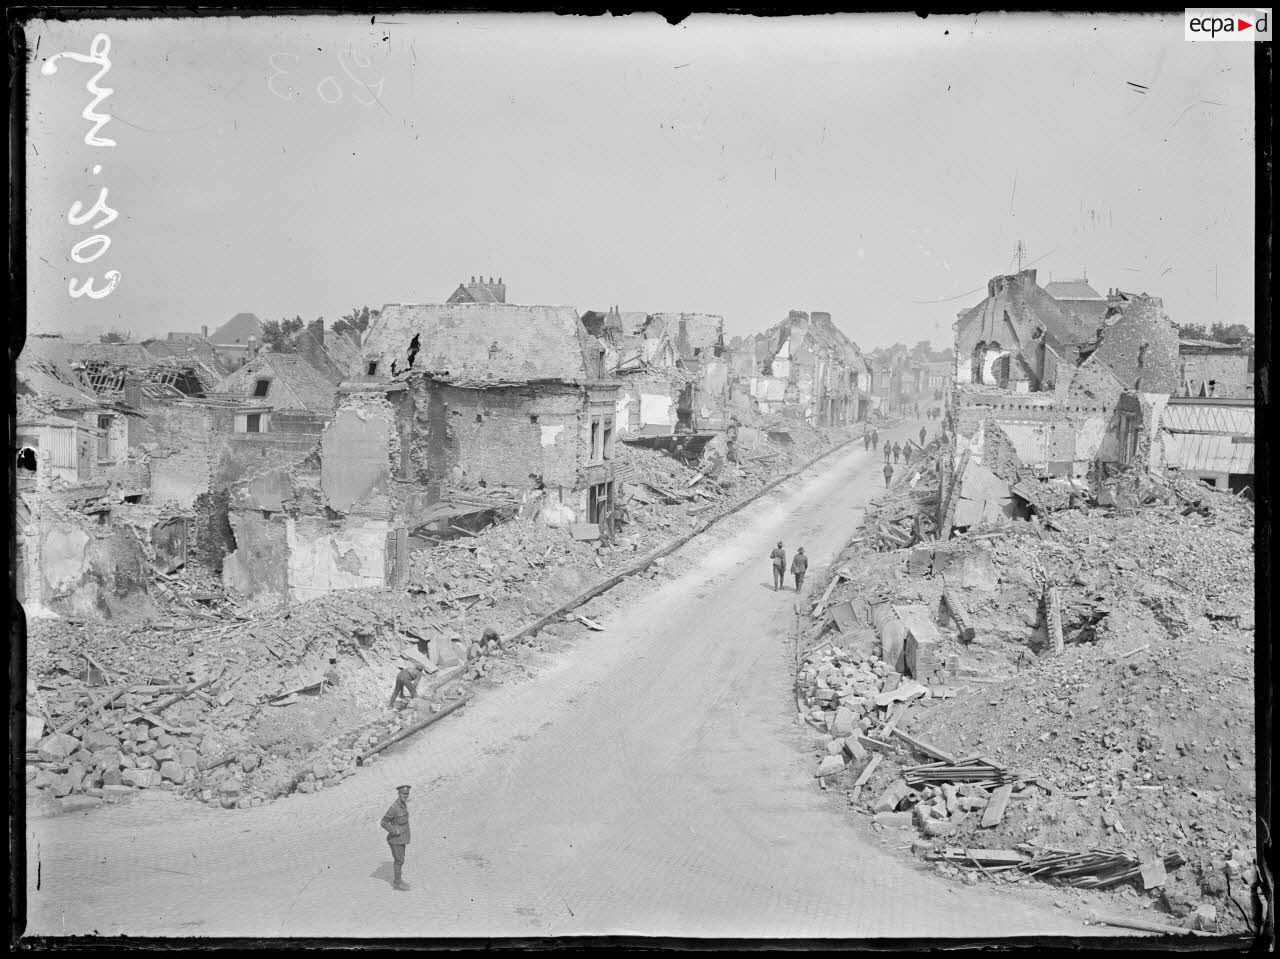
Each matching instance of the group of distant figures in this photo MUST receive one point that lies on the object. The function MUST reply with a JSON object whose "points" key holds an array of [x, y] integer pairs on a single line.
{"points": [[896, 452]]}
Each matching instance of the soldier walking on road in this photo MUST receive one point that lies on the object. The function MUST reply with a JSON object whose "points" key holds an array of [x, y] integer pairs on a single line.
{"points": [[888, 474], [875, 439], [396, 823], [897, 451], [799, 566], [407, 683], [888, 452], [779, 558], [906, 452], [923, 434]]}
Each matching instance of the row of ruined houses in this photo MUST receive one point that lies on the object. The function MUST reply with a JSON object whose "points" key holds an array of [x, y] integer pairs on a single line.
{"points": [[1075, 384], [296, 474]]}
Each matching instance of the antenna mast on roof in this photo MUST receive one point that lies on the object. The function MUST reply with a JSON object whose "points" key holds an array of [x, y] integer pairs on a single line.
{"points": [[1020, 253]]}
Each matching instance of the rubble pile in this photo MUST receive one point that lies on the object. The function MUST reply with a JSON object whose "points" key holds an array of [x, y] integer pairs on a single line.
{"points": [[238, 707], [1083, 712]]}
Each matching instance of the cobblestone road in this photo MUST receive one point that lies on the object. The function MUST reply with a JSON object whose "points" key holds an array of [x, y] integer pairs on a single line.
{"points": [[651, 781]]}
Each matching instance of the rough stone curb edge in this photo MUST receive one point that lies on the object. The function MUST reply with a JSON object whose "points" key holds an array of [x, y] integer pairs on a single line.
{"points": [[647, 560]]}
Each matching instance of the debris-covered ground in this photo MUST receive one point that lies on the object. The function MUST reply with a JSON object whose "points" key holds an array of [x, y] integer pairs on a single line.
{"points": [[238, 706], [1121, 762]]}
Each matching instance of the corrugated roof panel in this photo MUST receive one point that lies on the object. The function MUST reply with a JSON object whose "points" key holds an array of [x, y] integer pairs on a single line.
{"points": [[1201, 452]]}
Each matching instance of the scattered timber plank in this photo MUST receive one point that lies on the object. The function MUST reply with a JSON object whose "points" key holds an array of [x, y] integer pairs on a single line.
{"points": [[1143, 925], [924, 747], [166, 703], [459, 529], [589, 623], [893, 722], [994, 812], [875, 744], [867, 771], [94, 708]]}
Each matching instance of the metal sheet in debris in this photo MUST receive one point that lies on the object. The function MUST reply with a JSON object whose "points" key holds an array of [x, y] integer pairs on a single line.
{"points": [[845, 616]]}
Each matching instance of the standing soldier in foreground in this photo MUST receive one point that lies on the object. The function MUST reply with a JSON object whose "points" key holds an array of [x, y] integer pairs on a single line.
{"points": [[396, 823], [923, 434], [888, 473], [779, 558], [799, 566]]}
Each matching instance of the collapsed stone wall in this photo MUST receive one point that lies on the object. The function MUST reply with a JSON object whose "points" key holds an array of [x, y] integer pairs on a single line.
{"points": [[498, 436]]}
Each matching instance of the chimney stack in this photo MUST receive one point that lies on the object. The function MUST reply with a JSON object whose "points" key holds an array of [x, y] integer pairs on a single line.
{"points": [[473, 281], [133, 397], [253, 347], [204, 332]]}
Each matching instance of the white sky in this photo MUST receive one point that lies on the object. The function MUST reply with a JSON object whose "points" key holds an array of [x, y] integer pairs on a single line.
{"points": [[735, 165]]}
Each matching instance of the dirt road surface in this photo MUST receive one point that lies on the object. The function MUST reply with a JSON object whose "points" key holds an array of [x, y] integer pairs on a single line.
{"points": [[651, 781]]}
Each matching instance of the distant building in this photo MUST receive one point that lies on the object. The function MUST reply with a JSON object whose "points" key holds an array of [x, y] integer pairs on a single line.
{"points": [[237, 339], [1209, 368], [480, 290], [499, 396]]}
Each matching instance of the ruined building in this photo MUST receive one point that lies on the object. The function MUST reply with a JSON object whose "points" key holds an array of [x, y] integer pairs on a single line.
{"points": [[479, 290], [1072, 384], [807, 368]]}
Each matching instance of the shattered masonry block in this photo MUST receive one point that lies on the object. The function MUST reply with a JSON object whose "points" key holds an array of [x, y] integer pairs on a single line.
{"points": [[889, 799]]}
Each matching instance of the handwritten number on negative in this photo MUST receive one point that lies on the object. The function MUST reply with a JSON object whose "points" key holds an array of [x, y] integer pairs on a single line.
{"points": [[280, 72]]}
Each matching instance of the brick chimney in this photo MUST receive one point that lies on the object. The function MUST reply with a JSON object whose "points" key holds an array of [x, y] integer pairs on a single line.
{"points": [[204, 332], [313, 345], [133, 398]]}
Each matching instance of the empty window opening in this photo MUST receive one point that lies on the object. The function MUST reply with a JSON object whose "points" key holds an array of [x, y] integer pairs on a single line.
{"points": [[261, 387], [253, 423], [479, 417], [607, 445], [413, 349], [1142, 355], [135, 498], [373, 368], [533, 417], [27, 459], [494, 350], [104, 441]]}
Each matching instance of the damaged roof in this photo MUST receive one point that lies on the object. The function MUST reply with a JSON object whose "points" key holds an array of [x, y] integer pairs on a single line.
{"points": [[1208, 437], [305, 387], [483, 343]]}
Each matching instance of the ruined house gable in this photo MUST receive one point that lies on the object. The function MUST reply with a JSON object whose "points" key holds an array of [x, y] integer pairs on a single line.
{"points": [[1140, 347], [291, 383], [1017, 317]]}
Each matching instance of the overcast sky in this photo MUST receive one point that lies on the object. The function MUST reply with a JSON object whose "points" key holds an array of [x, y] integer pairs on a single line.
{"points": [[862, 165]]}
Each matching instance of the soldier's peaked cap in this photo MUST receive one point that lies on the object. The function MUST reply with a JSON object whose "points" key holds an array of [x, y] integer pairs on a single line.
{"points": [[398, 788]]}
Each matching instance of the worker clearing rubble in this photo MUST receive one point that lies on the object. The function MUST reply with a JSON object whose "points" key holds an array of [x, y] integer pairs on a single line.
{"points": [[406, 683]]}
